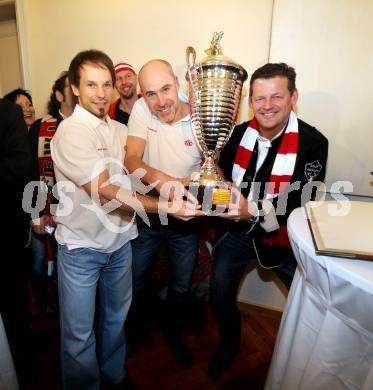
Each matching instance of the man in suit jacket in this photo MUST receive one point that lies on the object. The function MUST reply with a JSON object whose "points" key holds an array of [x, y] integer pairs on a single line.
{"points": [[14, 170], [276, 160]]}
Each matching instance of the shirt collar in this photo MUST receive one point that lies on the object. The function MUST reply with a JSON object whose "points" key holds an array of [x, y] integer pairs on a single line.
{"points": [[185, 119], [89, 118], [267, 141], [61, 115]]}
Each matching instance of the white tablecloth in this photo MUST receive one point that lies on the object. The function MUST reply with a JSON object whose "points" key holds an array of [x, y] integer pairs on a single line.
{"points": [[8, 378], [325, 340]]}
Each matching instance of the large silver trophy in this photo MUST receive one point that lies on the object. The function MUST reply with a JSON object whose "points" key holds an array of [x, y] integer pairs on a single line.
{"points": [[215, 85]]}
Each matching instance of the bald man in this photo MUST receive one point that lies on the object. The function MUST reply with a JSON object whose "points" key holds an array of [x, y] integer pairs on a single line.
{"points": [[161, 142]]}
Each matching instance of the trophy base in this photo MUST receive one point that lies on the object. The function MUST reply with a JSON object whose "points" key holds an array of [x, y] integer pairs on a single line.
{"points": [[212, 198]]}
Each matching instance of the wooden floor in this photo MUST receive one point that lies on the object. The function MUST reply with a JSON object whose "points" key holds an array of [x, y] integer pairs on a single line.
{"points": [[152, 365]]}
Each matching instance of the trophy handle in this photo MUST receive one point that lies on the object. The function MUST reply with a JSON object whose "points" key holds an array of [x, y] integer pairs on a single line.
{"points": [[190, 51]]}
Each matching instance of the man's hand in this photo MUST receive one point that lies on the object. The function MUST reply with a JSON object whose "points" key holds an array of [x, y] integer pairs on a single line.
{"points": [[194, 176], [241, 209], [174, 190], [38, 224], [181, 209]]}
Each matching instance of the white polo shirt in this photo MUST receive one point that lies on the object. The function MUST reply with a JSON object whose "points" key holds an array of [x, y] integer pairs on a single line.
{"points": [[170, 148], [83, 147]]}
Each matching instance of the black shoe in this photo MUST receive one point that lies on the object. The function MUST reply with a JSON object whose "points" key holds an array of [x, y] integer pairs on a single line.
{"points": [[220, 362], [181, 351]]}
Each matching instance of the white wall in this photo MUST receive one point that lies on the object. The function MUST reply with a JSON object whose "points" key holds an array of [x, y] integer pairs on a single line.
{"points": [[138, 31], [262, 288], [329, 42]]}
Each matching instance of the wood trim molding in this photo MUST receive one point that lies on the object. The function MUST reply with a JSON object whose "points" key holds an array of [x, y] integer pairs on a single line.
{"points": [[22, 40], [251, 307]]}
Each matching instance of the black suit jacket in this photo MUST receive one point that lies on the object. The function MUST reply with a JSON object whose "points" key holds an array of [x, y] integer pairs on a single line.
{"points": [[310, 168], [14, 170]]}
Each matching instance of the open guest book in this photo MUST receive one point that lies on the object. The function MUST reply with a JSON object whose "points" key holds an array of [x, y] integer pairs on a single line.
{"points": [[342, 228]]}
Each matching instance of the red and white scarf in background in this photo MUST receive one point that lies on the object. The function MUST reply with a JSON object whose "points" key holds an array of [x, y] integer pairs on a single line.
{"points": [[284, 164]]}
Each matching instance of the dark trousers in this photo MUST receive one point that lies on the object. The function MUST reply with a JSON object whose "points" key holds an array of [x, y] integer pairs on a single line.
{"points": [[14, 305], [232, 255], [182, 251]]}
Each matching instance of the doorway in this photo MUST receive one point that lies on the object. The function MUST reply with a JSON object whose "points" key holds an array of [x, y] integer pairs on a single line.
{"points": [[10, 64]]}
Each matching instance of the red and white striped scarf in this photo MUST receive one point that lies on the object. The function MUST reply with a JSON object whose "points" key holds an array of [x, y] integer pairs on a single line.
{"points": [[284, 164], [47, 129]]}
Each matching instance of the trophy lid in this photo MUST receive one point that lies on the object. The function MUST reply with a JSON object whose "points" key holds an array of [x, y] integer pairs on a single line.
{"points": [[215, 56]]}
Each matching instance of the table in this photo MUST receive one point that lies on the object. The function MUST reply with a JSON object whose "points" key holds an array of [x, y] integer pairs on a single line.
{"points": [[8, 378], [325, 339]]}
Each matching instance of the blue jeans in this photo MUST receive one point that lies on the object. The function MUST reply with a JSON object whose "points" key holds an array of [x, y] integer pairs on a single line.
{"points": [[182, 249], [39, 275], [80, 272], [38, 254], [232, 255]]}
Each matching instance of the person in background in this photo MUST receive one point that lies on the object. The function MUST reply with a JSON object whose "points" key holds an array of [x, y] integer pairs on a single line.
{"points": [[14, 172], [126, 86], [43, 253], [160, 142], [23, 99], [274, 160]]}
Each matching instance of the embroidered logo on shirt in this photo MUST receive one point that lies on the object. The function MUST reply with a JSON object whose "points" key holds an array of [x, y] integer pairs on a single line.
{"points": [[153, 130], [101, 149], [188, 142], [312, 169]]}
